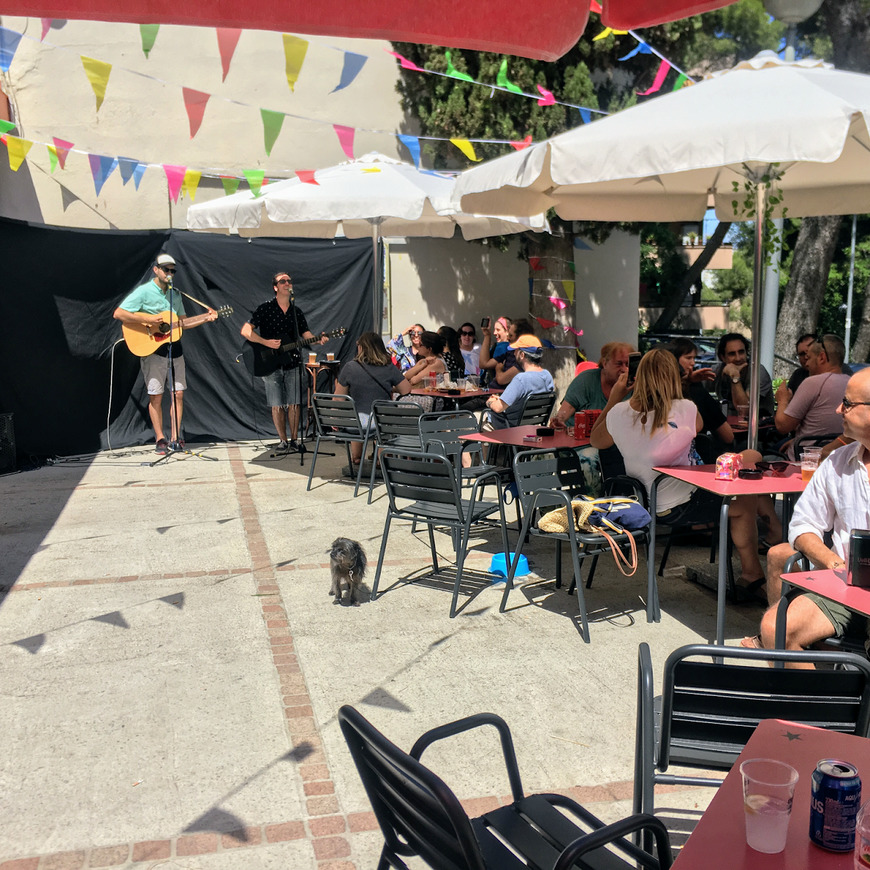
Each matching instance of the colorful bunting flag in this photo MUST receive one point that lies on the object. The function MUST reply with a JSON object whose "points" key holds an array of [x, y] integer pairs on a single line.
{"points": [[682, 78], [174, 179], [607, 31], [353, 63], [547, 98], [231, 184], [405, 63], [558, 302], [586, 116], [131, 168], [255, 179], [97, 72], [191, 182], [195, 103], [272, 123], [294, 56], [547, 324], [149, 37], [580, 245], [306, 176], [575, 331], [658, 81], [63, 149], [502, 79], [101, 168], [642, 48], [519, 146], [6, 126], [535, 263], [453, 72], [46, 26], [52, 157], [595, 6], [568, 287], [412, 143], [17, 149], [228, 39], [345, 138], [9, 40], [467, 149]]}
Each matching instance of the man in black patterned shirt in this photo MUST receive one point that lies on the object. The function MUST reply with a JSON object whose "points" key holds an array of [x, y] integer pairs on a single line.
{"points": [[272, 324]]}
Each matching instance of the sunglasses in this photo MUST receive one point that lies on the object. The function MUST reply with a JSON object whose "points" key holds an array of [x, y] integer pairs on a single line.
{"points": [[847, 404], [777, 469], [283, 281], [415, 332], [167, 270], [466, 332]]}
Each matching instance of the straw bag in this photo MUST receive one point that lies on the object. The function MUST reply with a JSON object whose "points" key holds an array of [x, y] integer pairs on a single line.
{"points": [[599, 516]]}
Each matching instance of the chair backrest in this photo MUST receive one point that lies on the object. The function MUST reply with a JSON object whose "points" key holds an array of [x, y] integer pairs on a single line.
{"points": [[711, 708], [416, 476], [417, 812], [537, 409], [397, 422], [440, 431], [557, 469], [339, 412], [813, 441]]}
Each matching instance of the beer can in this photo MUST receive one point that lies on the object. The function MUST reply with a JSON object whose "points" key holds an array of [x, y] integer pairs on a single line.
{"points": [[834, 805]]}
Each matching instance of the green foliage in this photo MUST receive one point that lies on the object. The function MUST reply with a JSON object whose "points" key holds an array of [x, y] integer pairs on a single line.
{"points": [[832, 317], [662, 263]]}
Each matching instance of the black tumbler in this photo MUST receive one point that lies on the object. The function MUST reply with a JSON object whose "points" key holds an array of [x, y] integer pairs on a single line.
{"points": [[859, 558]]}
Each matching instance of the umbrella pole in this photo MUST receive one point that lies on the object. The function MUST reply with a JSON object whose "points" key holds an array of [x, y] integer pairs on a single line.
{"points": [[377, 295], [761, 190]]}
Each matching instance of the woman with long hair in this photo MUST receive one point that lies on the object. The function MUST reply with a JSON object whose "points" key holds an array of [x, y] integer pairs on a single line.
{"points": [[452, 353], [405, 347], [494, 344], [369, 377], [431, 361], [657, 426]]}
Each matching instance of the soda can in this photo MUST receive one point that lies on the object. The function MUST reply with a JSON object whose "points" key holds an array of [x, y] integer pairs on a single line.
{"points": [[581, 427], [834, 805]]}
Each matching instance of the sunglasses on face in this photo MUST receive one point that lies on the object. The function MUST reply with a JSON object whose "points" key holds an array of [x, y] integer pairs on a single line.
{"points": [[283, 281], [466, 332], [847, 404], [415, 332], [167, 270]]}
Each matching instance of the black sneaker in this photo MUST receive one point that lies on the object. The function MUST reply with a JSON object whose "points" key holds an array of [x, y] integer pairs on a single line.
{"points": [[177, 445], [283, 447], [162, 447], [293, 446]]}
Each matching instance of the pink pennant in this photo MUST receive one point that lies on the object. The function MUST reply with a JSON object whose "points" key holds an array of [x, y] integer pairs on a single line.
{"points": [[535, 263], [559, 303], [228, 39], [595, 6], [664, 68], [345, 138], [63, 149], [406, 64], [46, 26], [195, 103], [575, 331], [547, 98], [519, 146], [175, 178], [547, 324], [306, 176]]}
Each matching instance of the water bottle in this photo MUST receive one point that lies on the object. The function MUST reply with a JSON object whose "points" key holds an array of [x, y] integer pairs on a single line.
{"points": [[862, 838]]}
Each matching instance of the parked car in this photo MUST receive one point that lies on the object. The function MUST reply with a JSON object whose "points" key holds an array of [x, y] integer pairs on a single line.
{"points": [[706, 344]]}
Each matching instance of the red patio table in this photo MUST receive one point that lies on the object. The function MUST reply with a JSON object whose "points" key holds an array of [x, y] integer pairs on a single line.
{"points": [[515, 436], [719, 839]]}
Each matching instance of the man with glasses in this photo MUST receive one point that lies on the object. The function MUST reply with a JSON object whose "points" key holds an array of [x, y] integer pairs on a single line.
{"points": [[836, 500], [272, 324], [147, 306]]}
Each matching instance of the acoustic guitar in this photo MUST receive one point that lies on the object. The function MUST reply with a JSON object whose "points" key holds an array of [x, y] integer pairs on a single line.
{"points": [[261, 360], [144, 340]]}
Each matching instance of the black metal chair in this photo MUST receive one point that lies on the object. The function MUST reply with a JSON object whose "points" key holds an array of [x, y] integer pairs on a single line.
{"points": [[424, 488], [537, 409], [549, 479], [440, 432], [395, 424], [709, 709], [813, 441], [420, 816], [337, 422]]}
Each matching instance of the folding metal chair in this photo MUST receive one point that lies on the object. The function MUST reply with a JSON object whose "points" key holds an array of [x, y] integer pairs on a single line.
{"points": [[395, 424], [337, 422]]}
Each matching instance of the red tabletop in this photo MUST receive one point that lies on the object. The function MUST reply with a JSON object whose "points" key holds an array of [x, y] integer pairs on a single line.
{"points": [[703, 476], [460, 394], [719, 839], [832, 584], [514, 436]]}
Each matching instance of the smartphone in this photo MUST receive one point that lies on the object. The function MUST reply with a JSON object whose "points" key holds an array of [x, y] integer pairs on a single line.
{"points": [[484, 323], [633, 363]]}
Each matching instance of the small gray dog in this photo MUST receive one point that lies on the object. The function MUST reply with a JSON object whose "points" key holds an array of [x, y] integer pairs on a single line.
{"points": [[347, 561]]}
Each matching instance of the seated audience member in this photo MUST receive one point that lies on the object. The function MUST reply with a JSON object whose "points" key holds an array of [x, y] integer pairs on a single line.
{"points": [[657, 426], [491, 351], [406, 354], [836, 500], [452, 354], [802, 351], [469, 348], [431, 360], [531, 378], [369, 377], [506, 369], [584, 366], [732, 375], [813, 408]]}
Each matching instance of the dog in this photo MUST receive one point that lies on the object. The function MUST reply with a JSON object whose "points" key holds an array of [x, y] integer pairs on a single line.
{"points": [[347, 561]]}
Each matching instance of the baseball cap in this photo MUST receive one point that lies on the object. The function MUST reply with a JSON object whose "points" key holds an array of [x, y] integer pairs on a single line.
{"points": [[530, 343], [165, 260]]}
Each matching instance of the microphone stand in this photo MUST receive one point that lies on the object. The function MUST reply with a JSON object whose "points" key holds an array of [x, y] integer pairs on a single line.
{"points": [[300, 371]]}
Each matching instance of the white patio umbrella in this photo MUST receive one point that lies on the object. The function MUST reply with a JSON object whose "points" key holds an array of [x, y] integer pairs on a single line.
{"points": [[370, 197], [667, 158]]}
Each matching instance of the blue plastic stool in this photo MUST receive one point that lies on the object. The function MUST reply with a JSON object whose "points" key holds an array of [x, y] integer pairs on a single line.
{"points": [[497, 566]]}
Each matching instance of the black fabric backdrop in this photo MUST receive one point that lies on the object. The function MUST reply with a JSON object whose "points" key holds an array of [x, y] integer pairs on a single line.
{"points": [[61, 286]]}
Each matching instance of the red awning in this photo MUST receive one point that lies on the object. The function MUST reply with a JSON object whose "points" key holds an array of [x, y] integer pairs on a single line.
{"points": [[545, 29]]}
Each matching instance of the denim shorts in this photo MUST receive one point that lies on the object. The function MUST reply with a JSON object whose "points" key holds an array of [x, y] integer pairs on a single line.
{"points": [[155, 370], [282, 387]]}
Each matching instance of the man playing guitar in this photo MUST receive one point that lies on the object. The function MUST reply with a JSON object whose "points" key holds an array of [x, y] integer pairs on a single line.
{"points": [[274, 322], [147, 306]]}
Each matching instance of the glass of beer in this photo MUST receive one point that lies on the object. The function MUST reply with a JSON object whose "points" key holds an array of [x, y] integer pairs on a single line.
{"points": [[809, 464]]}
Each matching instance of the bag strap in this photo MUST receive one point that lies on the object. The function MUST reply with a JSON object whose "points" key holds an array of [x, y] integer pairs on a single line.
{"points": [[619, 557]]}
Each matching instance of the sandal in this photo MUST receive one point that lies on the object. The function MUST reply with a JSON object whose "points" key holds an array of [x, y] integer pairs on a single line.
{"points": [[752, 642], [748, 593]]}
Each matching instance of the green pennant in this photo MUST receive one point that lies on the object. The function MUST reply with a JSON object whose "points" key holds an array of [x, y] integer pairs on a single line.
{"points": [[272, 122], [231, 185], [52, 156], [452, 71], [6, 126], [502, 79], [149, 36], [682, 78], [255, 179]]}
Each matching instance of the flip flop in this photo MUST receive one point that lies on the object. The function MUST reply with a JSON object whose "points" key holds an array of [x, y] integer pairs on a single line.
{"points": [[752, 642], [747, 594]]}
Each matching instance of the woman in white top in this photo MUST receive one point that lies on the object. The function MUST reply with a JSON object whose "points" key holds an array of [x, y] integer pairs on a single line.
{"points": [[657, 427]]}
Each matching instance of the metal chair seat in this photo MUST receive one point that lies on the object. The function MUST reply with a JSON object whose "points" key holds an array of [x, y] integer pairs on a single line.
{"points": [[337, 422]]}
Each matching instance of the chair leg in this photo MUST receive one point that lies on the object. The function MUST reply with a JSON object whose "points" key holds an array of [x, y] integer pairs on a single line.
{"points": [[313, 463], [375, 459], [559, 565], [665, 554], [432, 547], [383, 550], [581, 601], [465, 534], [509, 581], [591, 571]]}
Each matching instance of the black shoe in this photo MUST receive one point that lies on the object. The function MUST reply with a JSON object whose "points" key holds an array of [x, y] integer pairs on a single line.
{"points": [[283, 447], [177, 445], [162, 447], [293, 446]]}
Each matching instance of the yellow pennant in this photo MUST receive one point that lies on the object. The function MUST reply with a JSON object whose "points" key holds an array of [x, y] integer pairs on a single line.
{"points": [[568, 287], [294, 55], [17, 149], [97, 72], [191, 182], [467, 149], [607, 31]]}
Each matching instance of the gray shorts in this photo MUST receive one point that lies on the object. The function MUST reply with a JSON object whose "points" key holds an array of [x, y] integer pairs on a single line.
{"points": [[282, 387], [155, 370], [845, 621]]}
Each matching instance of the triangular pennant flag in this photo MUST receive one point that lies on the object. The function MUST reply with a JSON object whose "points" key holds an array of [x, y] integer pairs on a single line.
{"points": [[502, 79], [101, 169], [682, 78], [607, 31], [67, 197], [575, 331], [412, 143], [568, 287], [138, 172], [642, 48], [6, 126], [9, 40], [63, 149], [353, 63], [535, 263], [519, 146], [97, 72], [195, 103], [547, 98], [306, 176], [255, 179], [127, 166], [467, 149], [345, 138], [294, 56], [52, 157], [586, 116], [595, 6], [405, 63], [664, 68], [174, 179], [272, 123], [580, 245], [558, 302], [17, 149], [46, 26], [452, 71], [547, 324], [228, 39], [191, 182], [231, 185], [149, 36]]}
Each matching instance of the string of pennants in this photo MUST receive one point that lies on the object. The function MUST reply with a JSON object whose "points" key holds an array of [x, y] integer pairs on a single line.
{"points": [[181, 179]]}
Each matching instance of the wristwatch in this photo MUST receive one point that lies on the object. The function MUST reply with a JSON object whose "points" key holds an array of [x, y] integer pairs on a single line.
{"points": [[735, 379]]}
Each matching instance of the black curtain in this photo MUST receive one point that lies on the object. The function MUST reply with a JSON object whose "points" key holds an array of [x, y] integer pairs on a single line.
{"points": [[60, 362]]}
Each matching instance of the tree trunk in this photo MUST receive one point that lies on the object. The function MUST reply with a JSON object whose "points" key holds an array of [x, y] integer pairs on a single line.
{"points": [[861, 348], [551, 265], [675, 300], [802, 300], [848, 25]]}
